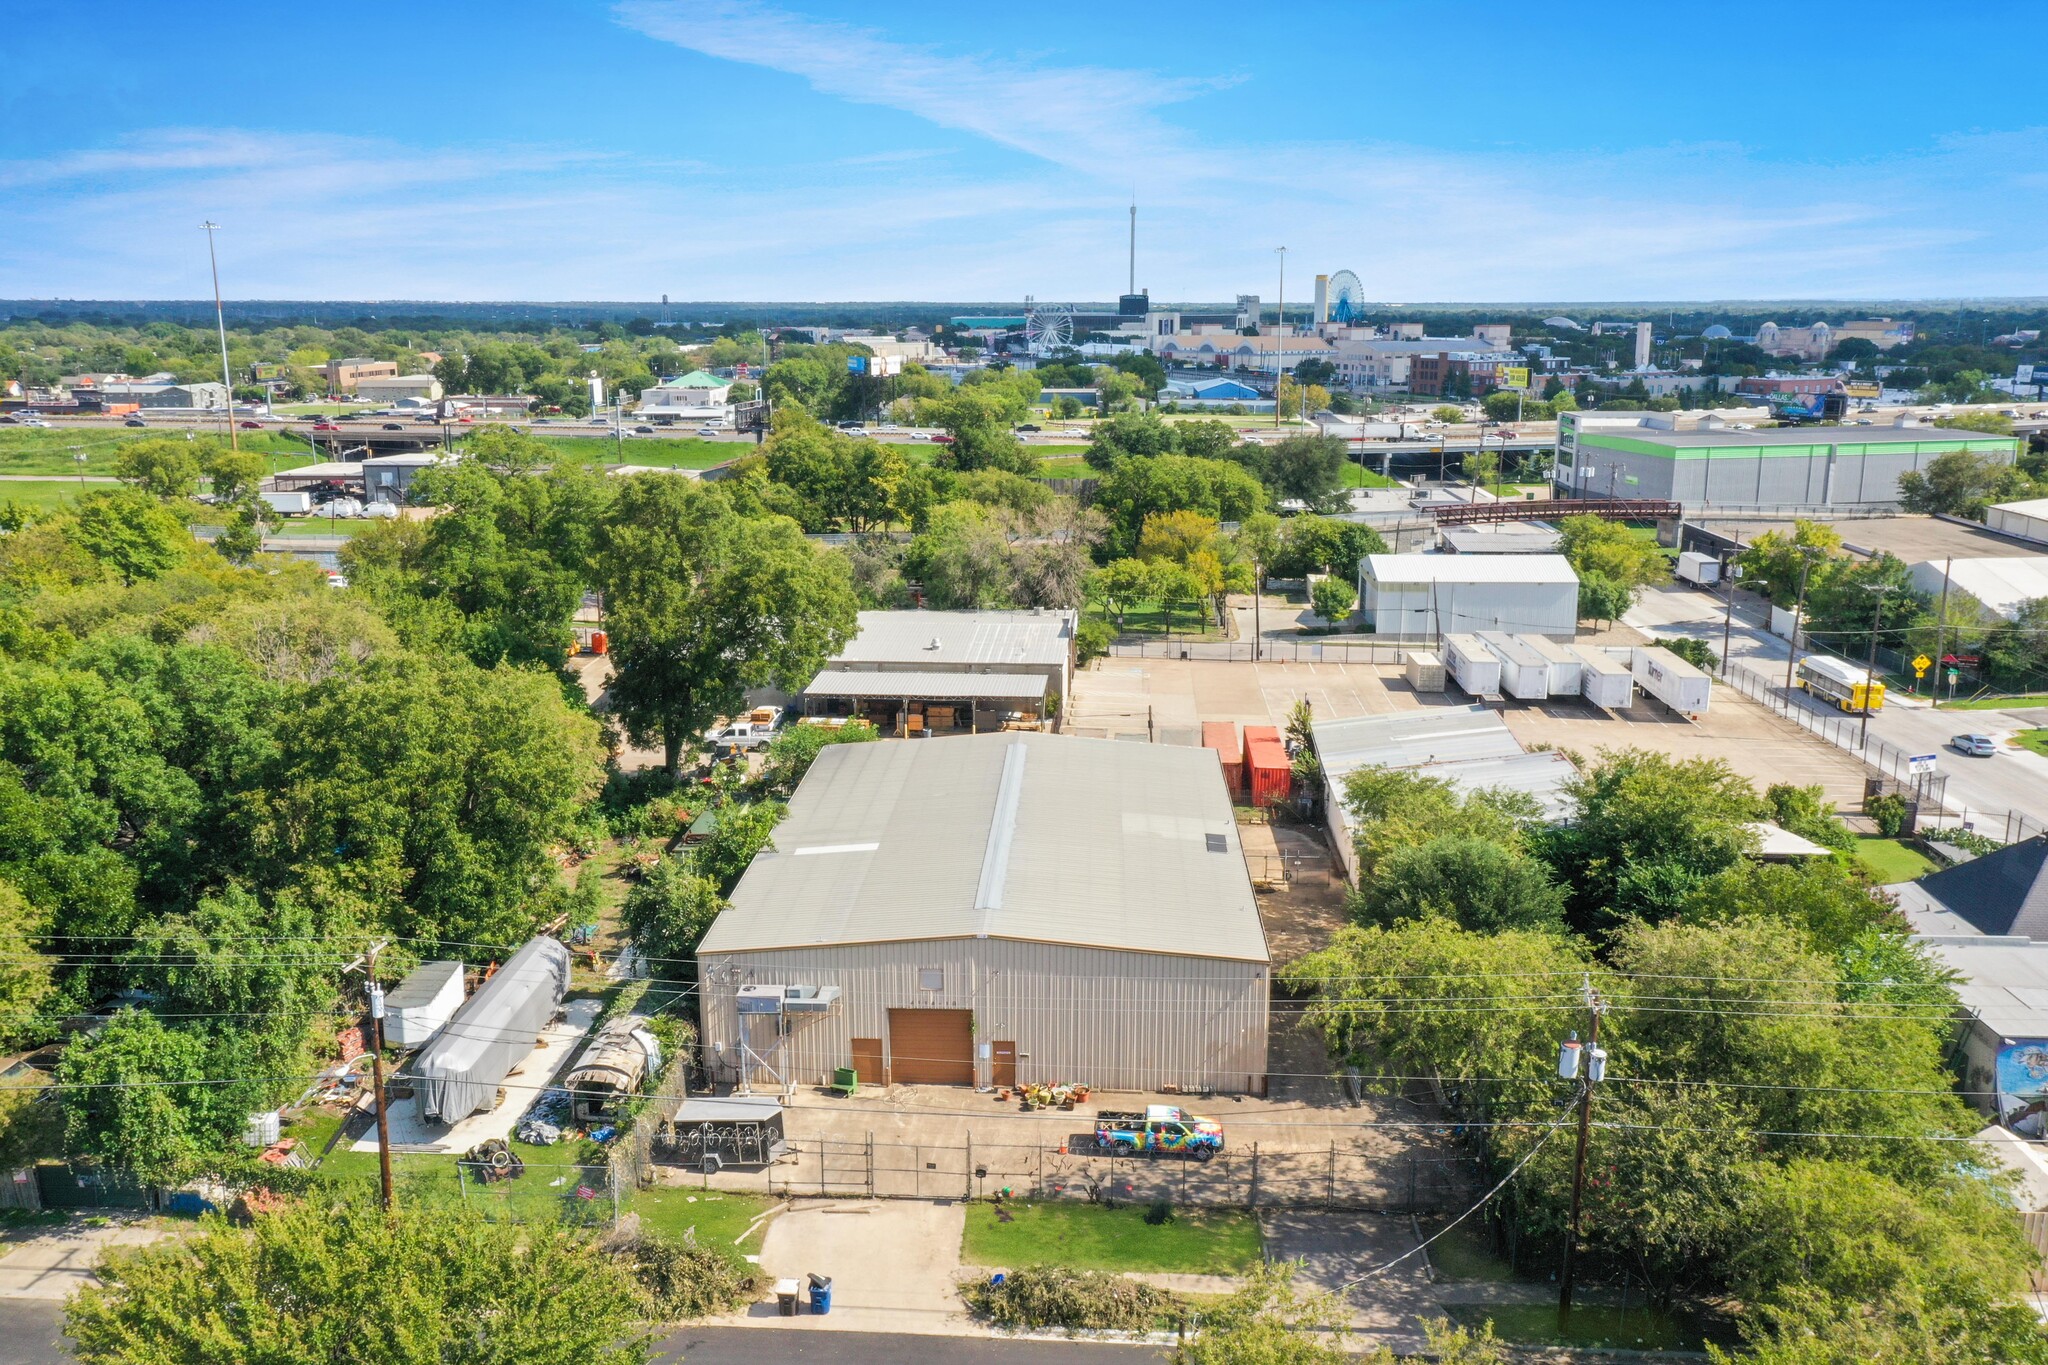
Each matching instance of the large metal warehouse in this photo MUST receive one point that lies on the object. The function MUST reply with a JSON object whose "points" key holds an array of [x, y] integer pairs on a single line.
{"points": [[995, 910], [1429, 596], [1704, 459]]}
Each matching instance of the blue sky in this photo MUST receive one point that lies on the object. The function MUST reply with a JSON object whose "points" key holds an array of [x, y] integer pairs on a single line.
{"points": [[728, 149]]}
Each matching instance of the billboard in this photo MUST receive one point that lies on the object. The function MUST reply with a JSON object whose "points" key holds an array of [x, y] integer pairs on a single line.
{"points": [[1514, 376], [2023, 1085]]}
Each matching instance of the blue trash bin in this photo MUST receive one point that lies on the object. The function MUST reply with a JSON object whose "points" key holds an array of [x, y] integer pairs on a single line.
{"points": [[821, 1293]]}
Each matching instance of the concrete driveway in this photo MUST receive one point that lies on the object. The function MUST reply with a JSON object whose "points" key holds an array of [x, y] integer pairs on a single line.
{"points": [[893, 1265], [49, 1263]]}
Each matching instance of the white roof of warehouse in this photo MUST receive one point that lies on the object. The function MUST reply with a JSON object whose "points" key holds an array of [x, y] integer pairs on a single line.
{"points": [[2030, 507], [2004, 981], [2001, 584], [1048, 838], [1469, 569], [961, 637], [1775, 841], [841, 682], [1410, 739], [1541, 775]]}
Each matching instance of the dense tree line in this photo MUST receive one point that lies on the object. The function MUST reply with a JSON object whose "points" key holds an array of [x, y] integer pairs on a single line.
{"points": [[1779, 1126]]}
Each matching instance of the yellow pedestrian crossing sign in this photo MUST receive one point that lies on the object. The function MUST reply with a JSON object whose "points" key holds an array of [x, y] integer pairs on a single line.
{"points": [[1920, 664]]}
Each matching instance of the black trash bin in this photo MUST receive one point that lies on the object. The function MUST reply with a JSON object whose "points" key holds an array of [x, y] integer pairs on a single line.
{"points": [[821, 1293]]}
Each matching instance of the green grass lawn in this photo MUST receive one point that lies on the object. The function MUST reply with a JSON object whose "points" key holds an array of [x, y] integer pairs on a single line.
{"points": [[1997, 703], [1092, 1237], [1464, 1253], [1065, 467], [1357, 476], [1890, 860], [718, 1216], [1149, 618], [37, 450], [42, 494], [2034, 741]]}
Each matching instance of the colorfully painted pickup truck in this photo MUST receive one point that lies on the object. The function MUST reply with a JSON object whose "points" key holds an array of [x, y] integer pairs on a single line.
{"points": [[1161, 1128]]}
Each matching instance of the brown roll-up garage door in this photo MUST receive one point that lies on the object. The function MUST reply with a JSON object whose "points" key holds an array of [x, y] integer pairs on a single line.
{"points": [[931, 1047]]}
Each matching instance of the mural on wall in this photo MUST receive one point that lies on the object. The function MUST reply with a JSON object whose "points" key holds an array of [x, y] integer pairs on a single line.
{"points": [[2023, 1086]]}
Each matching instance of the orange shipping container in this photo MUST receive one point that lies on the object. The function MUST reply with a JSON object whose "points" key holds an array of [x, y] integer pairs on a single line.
{"points": [[1271, 774], [1221, 735], [1258, 732]]}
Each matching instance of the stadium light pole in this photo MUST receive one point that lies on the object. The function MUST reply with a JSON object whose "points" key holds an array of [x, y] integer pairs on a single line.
{"points": [[220, 323], [1279, 336], [1870, 668]]}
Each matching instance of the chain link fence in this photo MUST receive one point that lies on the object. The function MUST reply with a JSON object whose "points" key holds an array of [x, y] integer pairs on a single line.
{"points": [[1331, 651], [1335, 1175]]}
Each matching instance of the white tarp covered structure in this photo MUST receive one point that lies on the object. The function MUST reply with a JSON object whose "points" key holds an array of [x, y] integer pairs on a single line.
{"points": [[458, 1073]]}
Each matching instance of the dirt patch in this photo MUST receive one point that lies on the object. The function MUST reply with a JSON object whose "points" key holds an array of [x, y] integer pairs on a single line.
{"points": [[1305, 903]]}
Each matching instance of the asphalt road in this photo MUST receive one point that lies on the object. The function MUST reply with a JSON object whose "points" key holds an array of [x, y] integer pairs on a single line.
{"points": [[31, 1329], [2012, 780]]}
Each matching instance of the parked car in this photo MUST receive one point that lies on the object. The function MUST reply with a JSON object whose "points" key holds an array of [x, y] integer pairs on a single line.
{"points": [[751, 731], [388, 426], [134, 422], [1976, 746], [1161, 1128]]}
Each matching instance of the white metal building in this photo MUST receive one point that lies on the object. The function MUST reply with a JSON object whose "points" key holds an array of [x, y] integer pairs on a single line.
{"points": [[1017, 654], [1427, 596], [995, 909], [1997, 585], [2028, 520]]}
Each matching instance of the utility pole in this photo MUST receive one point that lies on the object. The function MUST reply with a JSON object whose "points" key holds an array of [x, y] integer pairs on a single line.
{"points": [[1728, 574], [1940, 629], [220, 322], [1588, 1066], [368, 962], [1870, 668], [1806, 555]]}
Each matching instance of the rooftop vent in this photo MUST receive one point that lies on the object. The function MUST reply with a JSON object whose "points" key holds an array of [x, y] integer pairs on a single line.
{"points": [[1217, 843]]}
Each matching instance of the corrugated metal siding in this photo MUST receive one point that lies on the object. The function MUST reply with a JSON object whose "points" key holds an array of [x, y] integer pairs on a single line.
{"points": [[1115, 1020]]}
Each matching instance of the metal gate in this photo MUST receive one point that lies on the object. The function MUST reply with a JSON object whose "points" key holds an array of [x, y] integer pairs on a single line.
{"points": [[91, 1187]]}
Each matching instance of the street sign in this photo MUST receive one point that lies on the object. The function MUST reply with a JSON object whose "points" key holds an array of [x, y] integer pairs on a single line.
{"points": [[1952, 676], [1920, 663], [1921, 763]]}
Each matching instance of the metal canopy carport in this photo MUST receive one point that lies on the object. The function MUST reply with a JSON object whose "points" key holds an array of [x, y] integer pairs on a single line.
{"points": [[912, 691]]}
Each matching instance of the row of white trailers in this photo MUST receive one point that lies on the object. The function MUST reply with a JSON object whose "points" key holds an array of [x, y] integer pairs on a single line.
{"points": [[1494, 663]]}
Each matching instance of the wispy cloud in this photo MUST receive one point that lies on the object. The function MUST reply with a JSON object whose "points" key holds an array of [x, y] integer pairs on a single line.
{"points": [[1087, 118]]}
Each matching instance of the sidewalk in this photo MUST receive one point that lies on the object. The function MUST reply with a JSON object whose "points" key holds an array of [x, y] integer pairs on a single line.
{"points": [[53, 1262]]}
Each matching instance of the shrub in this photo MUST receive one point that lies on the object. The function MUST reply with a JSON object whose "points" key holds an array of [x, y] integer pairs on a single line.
{"points": [[1695, 652], [1888, 809], [683, 1280], [1160, 1214], [1968, 840], [1047, 1296], [1092, 641]]}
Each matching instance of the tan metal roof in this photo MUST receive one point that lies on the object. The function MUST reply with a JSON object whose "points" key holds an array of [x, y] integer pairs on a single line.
{"points": [[1027, 836], [920, 639]]}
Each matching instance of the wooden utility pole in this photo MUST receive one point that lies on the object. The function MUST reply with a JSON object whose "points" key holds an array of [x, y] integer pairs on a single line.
{"points": [[368, 961], [1589, 1067]]}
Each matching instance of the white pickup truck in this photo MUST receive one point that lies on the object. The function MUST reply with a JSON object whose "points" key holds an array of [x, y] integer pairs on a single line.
{"points": [[750, 731]]}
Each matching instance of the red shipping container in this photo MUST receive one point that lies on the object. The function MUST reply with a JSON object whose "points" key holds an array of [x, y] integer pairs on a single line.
{"points": [[1272, 776], [1253, 732], [1221, 735]]}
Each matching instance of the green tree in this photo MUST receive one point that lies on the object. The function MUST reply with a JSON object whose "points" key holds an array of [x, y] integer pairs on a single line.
{"points": [[1447, 414], [963, 558], [1137, 489], [1478, 884], [1776, 563], [1395, 808], [427, 793], [1960, 483], [1847, 599], [1122, 584], [1305, 469], [160, 466], [235, 474], [703, 605], [125, 1107], [669, 911], [1332, 599], [2016, 651], [1602, 598], [1644, 832], [1310, 544], [1596, 545], [1125, 434], [323, 1280], [27, 977], [742, 830], [131, 533]]}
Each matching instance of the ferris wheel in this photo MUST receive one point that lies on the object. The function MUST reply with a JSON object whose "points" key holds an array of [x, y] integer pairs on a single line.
{"points": [[1049, 326], [1347, 298]]}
